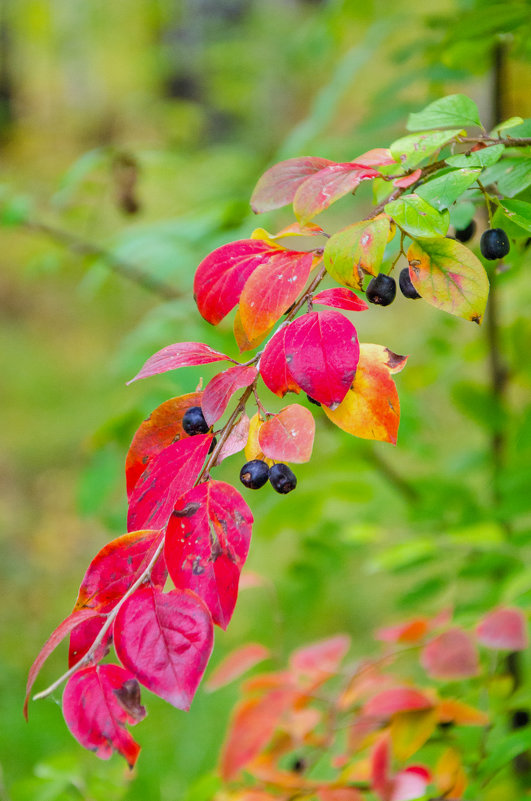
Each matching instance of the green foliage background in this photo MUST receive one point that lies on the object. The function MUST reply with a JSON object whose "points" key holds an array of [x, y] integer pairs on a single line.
{"points": [[201, 97]]}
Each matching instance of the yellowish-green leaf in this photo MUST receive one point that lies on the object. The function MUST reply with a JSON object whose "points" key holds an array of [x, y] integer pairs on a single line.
{"points": [[357, 250], [410, 730], [411, 150], [449, 276], [417, 217]]}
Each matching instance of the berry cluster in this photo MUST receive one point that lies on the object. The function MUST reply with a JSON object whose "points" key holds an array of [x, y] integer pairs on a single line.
{"points": [[381, 290], [254, 475]]}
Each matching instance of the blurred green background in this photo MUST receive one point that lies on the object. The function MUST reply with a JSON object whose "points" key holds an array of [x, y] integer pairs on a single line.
{"points": [[131, 136]]}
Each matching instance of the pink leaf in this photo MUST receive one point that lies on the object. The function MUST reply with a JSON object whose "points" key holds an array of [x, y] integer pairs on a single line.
{"points": [[272, 289], [320, 657], [378, 157], [182, 354], [55, 638], [207, 541], [411, 631], [288, 435], [274, 368], [339, 794], [399, 699], [323, 188], [322, 354], [170, 474], [504, 630], [451, 655], [236, 441], [277, 186], [97, 703], [410, 783], [165, 640], [236, 664], [340, 298], [220, 389], [220, 277]]}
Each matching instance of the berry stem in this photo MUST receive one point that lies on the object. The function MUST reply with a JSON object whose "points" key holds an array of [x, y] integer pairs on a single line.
{"points": [[487, 202]]}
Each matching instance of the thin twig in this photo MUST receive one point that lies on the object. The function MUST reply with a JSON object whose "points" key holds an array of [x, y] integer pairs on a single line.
{"points": [[126, 269]]}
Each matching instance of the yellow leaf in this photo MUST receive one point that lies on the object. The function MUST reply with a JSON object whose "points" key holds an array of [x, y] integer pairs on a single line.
{"points": [[410, 730]]}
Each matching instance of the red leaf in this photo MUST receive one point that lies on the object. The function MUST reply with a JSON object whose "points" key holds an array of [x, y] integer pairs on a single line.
{"points": [[220, 277], [97, 703], [116, 567], [451, 655], [322, 657], [288, 435], [253, 724], [271, 289], [323, 188], [273, 366], [322, 353], [160, 429], [207, 541], [340, 298], [407, 180], [82, 639], [165, 640], [381, 781], [55, 638], [168, 475], [277, 186], [236, 441], [182, 354], [400, 699], [504, 630], [220, 389], [236, 664]]}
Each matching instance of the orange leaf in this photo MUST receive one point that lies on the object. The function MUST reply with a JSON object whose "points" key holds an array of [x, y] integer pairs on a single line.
{"points": [[399, 699], [288, 436], [371, 409], [452, 711], [271, 289], [339, 794], [411, 631], [235, 664], [449, 775], [253, 725], [242, 340]]}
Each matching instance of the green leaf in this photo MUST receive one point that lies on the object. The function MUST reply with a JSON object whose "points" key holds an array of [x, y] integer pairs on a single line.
{"points": [[441, 192], [462, 214], [510, 123], [411, 150], [517, 212], [356, 250], [503, 751], [449, 276], [415, 216], [444, 113], [480, 158], [511, 175]]}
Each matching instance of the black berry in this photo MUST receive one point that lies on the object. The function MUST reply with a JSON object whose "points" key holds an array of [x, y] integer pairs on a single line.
{"points": [[194, 422], [494, 244], [406, 285], [381, 290], [465, 234], [254, 474], [312, 400], [282, 479]]}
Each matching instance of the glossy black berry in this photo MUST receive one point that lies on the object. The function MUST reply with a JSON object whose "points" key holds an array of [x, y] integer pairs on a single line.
{"points": [[282, 479], [381, 290], [312, 400], [465, 234], [406, 285], [254, 474], [494, 244], [194, 422]]}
